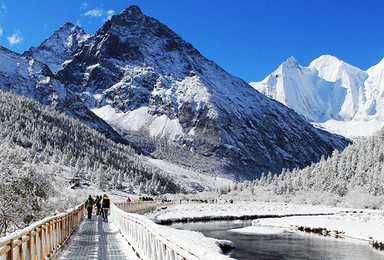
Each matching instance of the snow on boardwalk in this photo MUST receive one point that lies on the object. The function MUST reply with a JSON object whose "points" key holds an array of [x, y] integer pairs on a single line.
{"points": [[96, 239]]}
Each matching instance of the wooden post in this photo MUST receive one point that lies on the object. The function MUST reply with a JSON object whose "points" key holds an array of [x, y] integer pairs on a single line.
{"points": [[10, 252], [41, 244], [36, 249], [64, 221], [57, 223], [20, 250], [69, 225], [48, 239], [62, 228], [28, 252]]}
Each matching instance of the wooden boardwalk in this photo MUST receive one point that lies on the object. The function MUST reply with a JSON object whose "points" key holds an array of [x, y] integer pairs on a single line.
{"points": [[96, 239]]}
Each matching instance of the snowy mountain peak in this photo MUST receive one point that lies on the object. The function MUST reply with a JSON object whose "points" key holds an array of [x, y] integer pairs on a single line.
{"points": [[327, 60], [332, 69], [291, 65], [133, 24], [130, 18], [330, 92], [59, 46], [291, 62], [67, 26], [132, 11]]}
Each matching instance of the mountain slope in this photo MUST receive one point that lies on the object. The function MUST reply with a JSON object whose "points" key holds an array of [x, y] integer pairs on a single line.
{"points": [[330, 93], [33, 79], [59, 47], [159, 91]]}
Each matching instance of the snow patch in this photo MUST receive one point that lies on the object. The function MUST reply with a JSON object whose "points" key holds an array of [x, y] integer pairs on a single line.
{"points": [[141, 120], [188, 179], [258, 230], [352, 129]]}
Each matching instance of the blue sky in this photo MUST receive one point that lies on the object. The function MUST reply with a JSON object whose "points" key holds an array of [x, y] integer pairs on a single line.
{"points": [[248, 38]]}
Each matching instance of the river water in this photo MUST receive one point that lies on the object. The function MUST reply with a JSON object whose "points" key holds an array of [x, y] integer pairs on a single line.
{"points": [[281, 245]]}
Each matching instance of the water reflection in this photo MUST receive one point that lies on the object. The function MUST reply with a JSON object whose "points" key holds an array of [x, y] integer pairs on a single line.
{"points": [[283, 245]]}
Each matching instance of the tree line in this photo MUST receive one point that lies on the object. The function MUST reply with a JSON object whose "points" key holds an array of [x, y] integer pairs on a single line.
{"points": [[352, 178]]}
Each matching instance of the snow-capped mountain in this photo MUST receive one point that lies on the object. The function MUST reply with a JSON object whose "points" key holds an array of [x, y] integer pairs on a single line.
{"points": [[347, 76], [59, 47], [294, 84], [330, 93], [161, 93], [33, 79]]}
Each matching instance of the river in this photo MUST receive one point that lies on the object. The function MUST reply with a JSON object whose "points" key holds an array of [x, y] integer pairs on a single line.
{"points": [[281, 245]]}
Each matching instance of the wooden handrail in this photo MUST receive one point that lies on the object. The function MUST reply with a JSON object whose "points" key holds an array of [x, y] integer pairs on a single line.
{"points": [[148, 241], [43, 239]]}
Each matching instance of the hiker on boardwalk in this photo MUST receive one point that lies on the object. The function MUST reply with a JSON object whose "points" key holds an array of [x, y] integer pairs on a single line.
{"points": [[105, 205], [98, 205], [89, 206]]}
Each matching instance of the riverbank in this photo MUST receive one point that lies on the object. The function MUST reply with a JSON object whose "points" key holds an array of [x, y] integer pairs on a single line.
{"points": [[365, 225], [222, 210], [361, 224]]}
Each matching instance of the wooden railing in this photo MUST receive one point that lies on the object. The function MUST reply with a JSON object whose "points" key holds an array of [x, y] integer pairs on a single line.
{"points": [[43, 239], [149, 243]]}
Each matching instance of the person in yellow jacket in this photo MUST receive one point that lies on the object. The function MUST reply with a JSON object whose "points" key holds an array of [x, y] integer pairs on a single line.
{"points": [[105, 206]]}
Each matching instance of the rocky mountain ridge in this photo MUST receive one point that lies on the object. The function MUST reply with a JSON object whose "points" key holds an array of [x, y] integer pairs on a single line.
{"points": [[33, 79], [58, 47]]}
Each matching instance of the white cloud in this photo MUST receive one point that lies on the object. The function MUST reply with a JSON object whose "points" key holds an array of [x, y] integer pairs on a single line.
{"points": [[1, 31], [3, 9], [84, 6], [16, 38], [94, 13], [110, 13], [100, 13]]}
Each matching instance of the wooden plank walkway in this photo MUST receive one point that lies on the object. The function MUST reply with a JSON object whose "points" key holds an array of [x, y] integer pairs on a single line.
{"points": [[96, 239]]}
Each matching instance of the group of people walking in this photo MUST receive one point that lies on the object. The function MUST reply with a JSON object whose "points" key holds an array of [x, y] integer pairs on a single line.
{"points": [[102, 204]]}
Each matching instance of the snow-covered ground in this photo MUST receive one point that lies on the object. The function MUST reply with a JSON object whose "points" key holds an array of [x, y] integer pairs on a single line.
{"points": [[357, 224], [193, 210], [365, 225], [352, 129], [189, 179]]}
